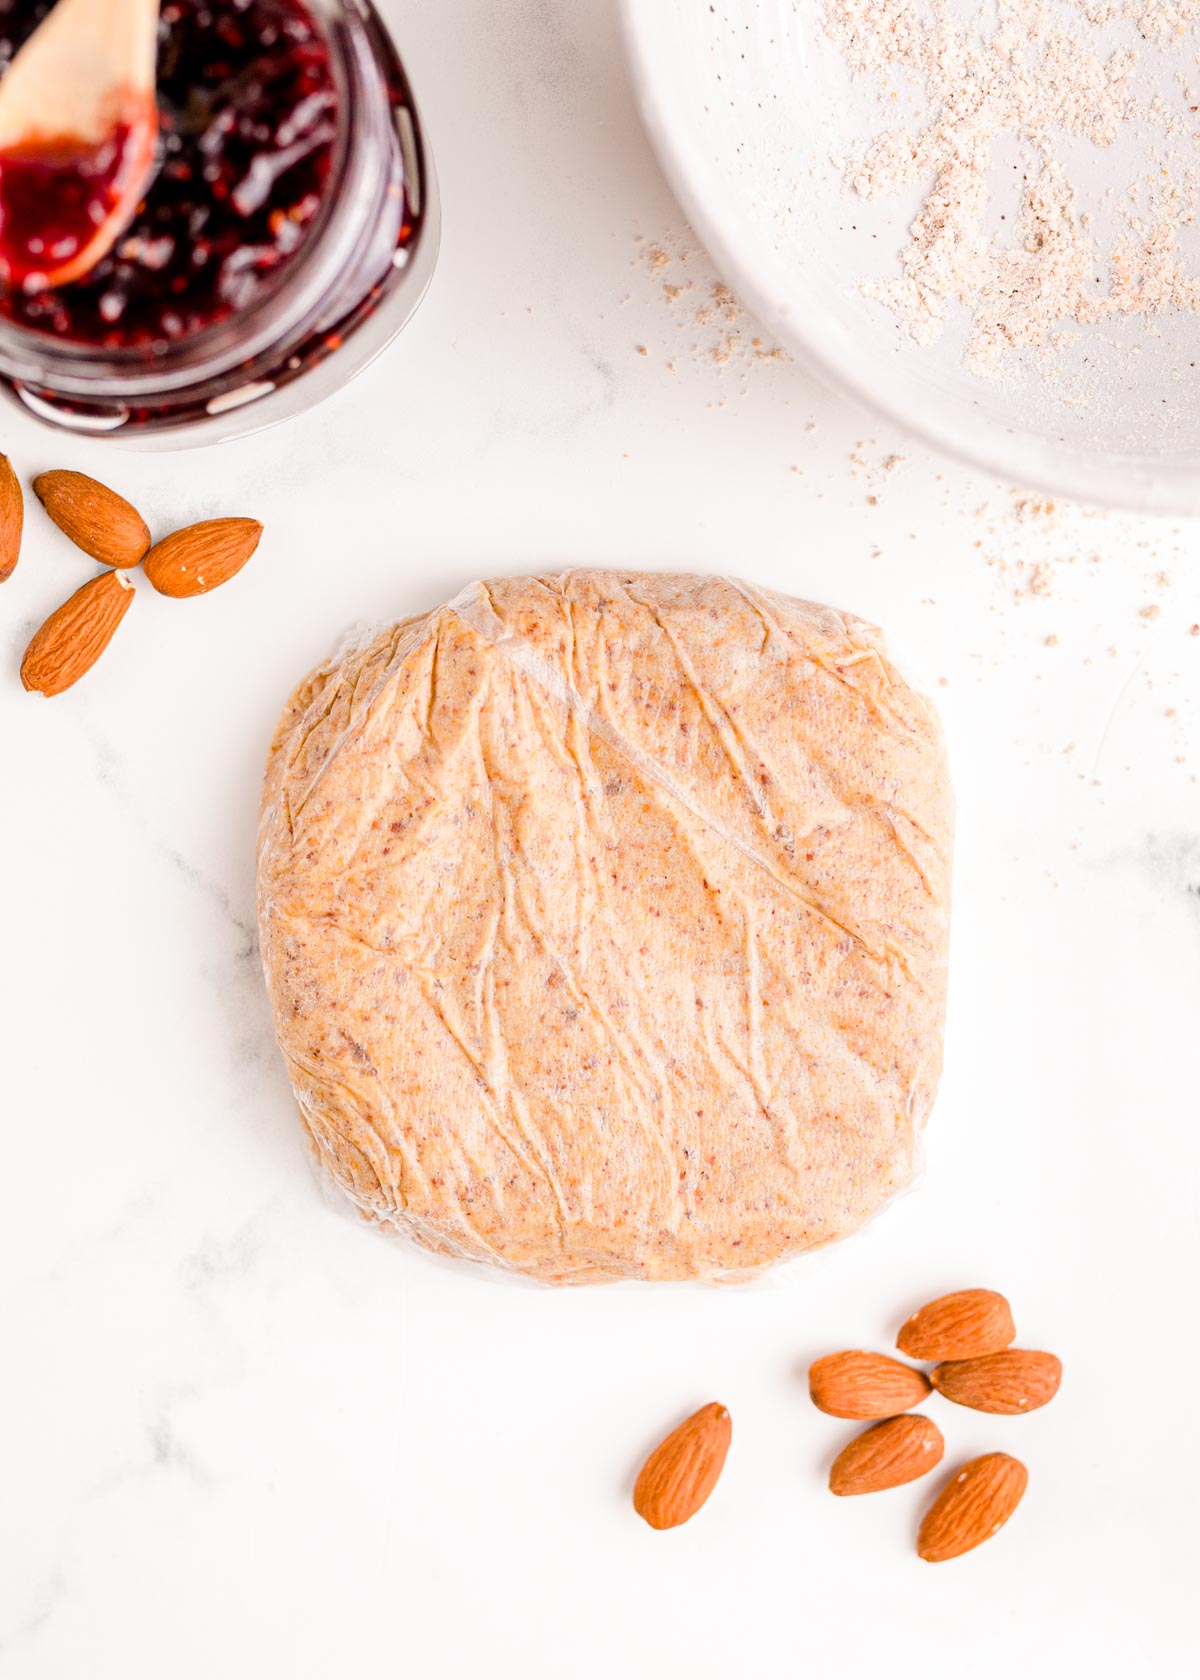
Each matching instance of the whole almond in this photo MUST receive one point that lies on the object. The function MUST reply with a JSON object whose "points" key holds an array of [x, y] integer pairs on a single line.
{"points": [[865, 1385], [975, 1503], [95, 518], [74, 637], [682, 1471], [960, 1326], [887, 1455], [1009, 1382], [201, 557], [12, 518]]}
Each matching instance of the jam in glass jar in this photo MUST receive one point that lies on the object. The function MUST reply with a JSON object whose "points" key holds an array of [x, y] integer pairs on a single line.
{"points": [[288, 232]]}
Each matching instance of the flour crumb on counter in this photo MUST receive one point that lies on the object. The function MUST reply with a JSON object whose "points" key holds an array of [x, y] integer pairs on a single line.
{"points": [[703, 307]]}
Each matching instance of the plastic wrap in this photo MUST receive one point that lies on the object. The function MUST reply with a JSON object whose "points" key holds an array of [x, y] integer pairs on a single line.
{"points": [[605, 922]]}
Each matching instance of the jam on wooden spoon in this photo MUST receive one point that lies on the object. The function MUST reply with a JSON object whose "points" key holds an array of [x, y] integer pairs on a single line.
{"points": [[78, 127]]}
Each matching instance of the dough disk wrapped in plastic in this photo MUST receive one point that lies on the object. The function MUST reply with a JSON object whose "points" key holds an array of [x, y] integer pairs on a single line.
{"points": [[605, 922]]}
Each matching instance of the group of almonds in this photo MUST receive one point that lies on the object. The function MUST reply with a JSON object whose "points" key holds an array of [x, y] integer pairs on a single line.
{"points": [[968, 1337], [188, 562]]}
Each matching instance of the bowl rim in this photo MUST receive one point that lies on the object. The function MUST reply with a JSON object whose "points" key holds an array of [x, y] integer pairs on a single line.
{"points": [[748, 262]]}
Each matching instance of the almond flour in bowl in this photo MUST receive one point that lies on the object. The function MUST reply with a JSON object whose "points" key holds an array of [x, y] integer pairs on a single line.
{"points": [[981, 220], [1025, 257]]}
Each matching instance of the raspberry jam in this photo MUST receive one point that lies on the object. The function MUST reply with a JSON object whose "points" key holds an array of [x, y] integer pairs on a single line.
{"points": [[288, 233], [53, 197], [248, 112]]}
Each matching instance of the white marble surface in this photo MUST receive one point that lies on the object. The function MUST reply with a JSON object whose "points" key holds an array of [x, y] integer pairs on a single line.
{"points": [[243, 1436]]}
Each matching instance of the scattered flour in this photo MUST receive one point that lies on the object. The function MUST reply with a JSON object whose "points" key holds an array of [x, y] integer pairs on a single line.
{"points": [[1038, 73], [714, 326]]}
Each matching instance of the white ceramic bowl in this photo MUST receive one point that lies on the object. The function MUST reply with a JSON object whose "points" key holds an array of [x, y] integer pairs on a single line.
{"points": [[749, 106]]}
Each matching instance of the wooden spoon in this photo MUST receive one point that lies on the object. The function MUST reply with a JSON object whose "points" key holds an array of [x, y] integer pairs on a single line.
{"points": [[78, 130]]}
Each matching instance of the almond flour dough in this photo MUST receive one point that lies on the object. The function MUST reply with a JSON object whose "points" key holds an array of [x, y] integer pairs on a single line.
{"points": [[604, 918]]}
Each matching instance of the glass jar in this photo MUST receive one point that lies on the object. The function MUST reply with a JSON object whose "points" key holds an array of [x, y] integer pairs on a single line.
{"points": [[344, 294]]}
